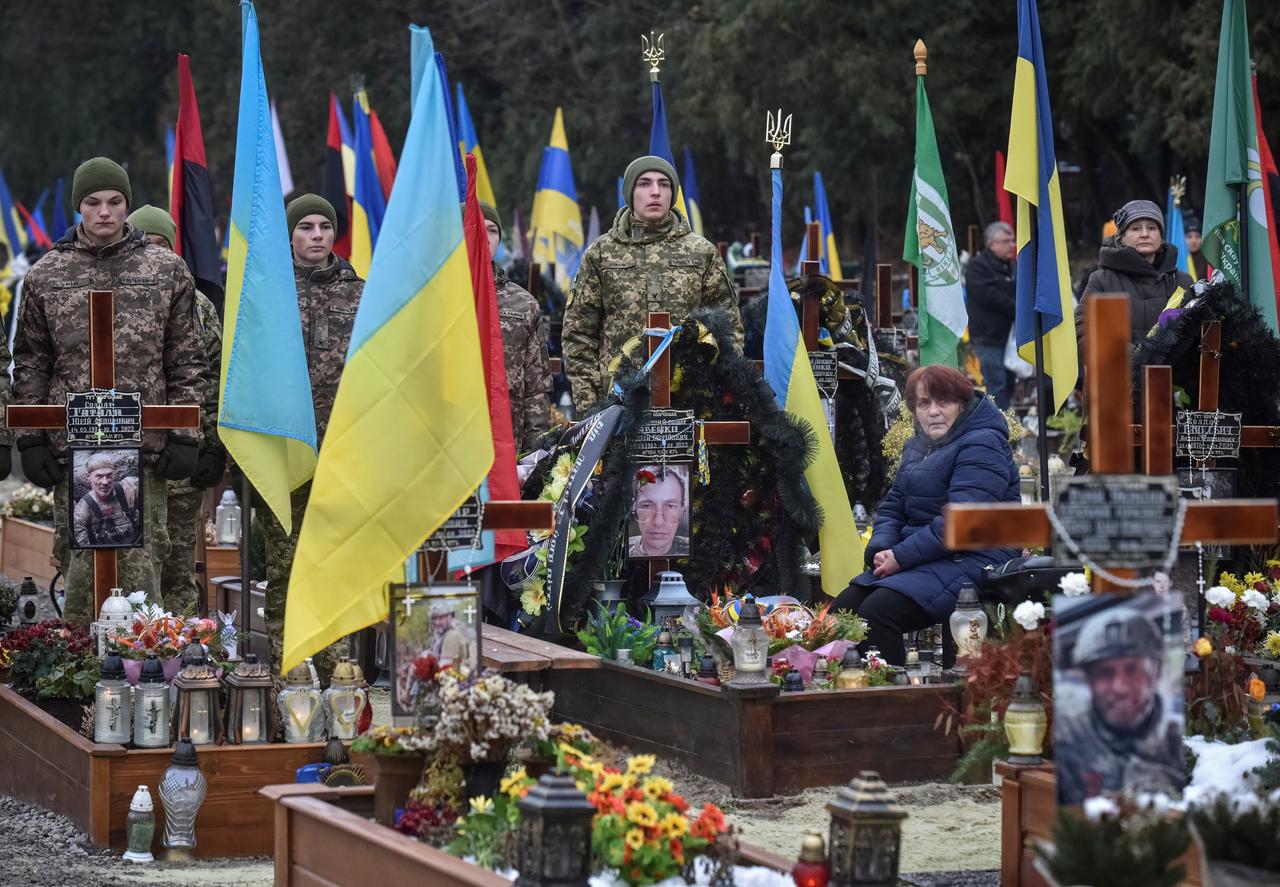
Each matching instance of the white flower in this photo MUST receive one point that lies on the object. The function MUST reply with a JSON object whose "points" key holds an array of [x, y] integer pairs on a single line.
{"points": [[1028, 614], [1098, 807], [137, 598], [1221, 596], [1073, 585], [1256, 599]]}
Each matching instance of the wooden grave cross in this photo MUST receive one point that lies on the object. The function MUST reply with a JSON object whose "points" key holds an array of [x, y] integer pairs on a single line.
{"points": [[970, 527], [102, 375]]}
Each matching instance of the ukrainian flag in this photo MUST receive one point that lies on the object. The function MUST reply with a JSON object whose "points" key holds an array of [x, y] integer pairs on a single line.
{"points": [[689, 185], [830, 257], [469, 143], [1044, 282], [409, 438], [660, 144], [368, 206], [787, 369], [12, 235], [270, 430], [555, 227]]}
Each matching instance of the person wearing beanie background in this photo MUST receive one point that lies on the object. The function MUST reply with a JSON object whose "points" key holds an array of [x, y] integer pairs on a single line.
{"points": [[328, 294], [178, 583], [650, 260], [1138, 263], [524, 350], [1197, 264], [158, 352]]}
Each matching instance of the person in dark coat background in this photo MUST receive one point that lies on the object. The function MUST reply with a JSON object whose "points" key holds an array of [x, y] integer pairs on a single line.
{"points": [[1138, 263], [990, 293], [960, 453]]}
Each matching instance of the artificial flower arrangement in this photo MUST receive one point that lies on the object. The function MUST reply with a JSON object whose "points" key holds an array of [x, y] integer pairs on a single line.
{"points": [[532, 588], [384, 739], [483, 717], [606, 633], [155, 630], [31, 503], [50, 660], [1253, 589]]}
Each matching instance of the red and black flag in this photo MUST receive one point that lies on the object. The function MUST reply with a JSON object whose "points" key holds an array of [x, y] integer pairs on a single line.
{"points": [[191, 197], [338, 178]]}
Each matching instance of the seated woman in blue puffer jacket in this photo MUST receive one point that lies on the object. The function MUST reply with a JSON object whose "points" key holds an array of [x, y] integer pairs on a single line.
{"points": [[960, 453]]}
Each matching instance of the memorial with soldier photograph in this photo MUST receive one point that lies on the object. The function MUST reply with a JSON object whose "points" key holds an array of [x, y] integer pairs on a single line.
{"points": [[106, 500], [433, 628], [659, 522]]}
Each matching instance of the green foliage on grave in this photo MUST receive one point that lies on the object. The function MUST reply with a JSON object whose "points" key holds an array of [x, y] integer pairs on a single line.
{"points": [[1138, 849]]}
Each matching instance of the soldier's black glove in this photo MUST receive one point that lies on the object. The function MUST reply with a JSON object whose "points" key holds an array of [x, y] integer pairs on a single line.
{"points": [[210, 467], [6, 461], [39, 464], [178, 458]]}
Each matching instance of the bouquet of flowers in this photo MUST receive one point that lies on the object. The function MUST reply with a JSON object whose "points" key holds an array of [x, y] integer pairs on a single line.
{"points": [[31, 503], [383, 739], [155, 630], [483, 717], [1237, 618], [1255, 589]]}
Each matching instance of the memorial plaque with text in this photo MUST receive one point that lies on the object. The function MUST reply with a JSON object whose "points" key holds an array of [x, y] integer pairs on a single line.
{"points": [[461, 530], [1119, 520], [663, 436], [1208, 435], [103, 418], [825, 368]]}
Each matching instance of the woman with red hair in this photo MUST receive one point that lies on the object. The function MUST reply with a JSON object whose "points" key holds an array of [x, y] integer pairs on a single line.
{"points": [[960, 453]]}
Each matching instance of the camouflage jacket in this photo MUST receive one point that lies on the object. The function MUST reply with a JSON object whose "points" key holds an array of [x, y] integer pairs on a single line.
{"points": [[158, 351], [327, 300], [524, 351], [628, 272], [1093, 759], [209, 326], [6, 392]]}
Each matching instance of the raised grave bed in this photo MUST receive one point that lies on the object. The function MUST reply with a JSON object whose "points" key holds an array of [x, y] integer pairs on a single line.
{"points": [[761, 742], [25, 550], [44, 762]]}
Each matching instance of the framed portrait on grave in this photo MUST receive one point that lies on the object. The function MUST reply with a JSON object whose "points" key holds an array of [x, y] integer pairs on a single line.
{"points": [[1117, 694], [658, 525], [434, 626], [105, 506]]}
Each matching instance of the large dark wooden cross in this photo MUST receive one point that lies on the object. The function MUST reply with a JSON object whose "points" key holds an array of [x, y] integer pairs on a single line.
{"points": [[1011, 525], [102, 375]]}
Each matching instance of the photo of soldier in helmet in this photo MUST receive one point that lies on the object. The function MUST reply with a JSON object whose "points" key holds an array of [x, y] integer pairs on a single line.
{"points": [[1118, 707]]}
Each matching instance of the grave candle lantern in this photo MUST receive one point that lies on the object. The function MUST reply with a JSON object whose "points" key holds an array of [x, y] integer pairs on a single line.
{"points": [[301, 707], [195, 715], [1025, 722], [852, 674], [182, 791], [248, 715], [555, 833], [812, 869], [668, 597], [345, 701], [111, 703], [151, 706], [685, 645], [750, 645], [140, 826], [707, 672], [915, 671], [968, 625], [866, 833], [115, 617]]}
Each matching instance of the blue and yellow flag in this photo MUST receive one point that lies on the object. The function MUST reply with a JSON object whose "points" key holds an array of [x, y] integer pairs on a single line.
{"points": [[830, 257], [787, 369], [689, 185], [469, 143], [409, 438], [1044, 282], [660, 144], [555, 227], [368, 205], [270, 430], [1175, 229], [12, 235]]}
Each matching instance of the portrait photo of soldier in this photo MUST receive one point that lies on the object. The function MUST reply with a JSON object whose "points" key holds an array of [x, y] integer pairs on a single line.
{"points": [[106, 510], [659, 521], [431, 632], [1118, 702]]}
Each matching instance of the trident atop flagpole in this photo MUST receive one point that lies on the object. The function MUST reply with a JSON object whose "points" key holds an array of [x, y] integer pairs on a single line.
{"points": [[777, 133], [652, 53]]}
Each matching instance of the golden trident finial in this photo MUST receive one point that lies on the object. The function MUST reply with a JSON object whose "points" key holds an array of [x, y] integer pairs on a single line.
{"points": [[652, 53], [1178, 185], [777, 133], [922, 58]]}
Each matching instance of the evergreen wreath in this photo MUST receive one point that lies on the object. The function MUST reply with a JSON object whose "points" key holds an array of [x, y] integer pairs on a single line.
{"points": [[750, 524]]}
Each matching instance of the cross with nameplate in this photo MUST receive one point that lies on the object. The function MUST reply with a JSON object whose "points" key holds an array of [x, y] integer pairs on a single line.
{"points": [[1010, 525], [102, 376]]}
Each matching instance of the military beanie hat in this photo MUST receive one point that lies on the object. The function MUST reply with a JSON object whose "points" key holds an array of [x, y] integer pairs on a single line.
{"points": [[642, 165], [154, 220], [99, 174], [309, 205], [490, 212]]}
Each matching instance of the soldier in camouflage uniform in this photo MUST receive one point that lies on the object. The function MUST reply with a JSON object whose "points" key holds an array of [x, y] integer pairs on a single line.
{"points": [[328, 295], [178, 582], [524, 348], [649, 261], [1124, 739], [157, 353]]}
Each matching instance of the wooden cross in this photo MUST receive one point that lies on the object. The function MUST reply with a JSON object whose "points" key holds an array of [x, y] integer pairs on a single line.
{"points": [[102, 374], [499, 514], [972, 527], [715, 433], [885, 315]]}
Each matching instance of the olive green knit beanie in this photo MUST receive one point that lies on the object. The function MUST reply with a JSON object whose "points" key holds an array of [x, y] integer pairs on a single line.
{"points": [[99, 174], [309, 205], [642, 165], [154, 220], [490, 212]]}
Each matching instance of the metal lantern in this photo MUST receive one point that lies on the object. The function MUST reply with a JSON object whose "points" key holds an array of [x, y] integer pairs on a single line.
{"points": [[115, 617], [182, 791], [195, 715], [345, 700], [866, 834], [968, 625], [111, 703], [668, 597], [248, 716], [914, 670], [140, 826], [301, 707], [151, 706], [1025, 722], [852, 675], [554, 842], [28, 602], [685, 645], [750, 645]]}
